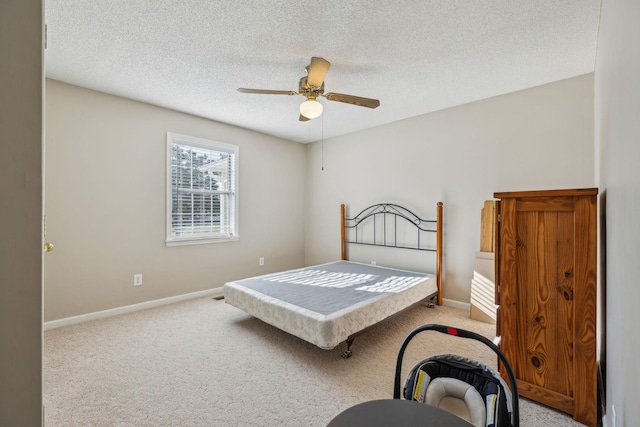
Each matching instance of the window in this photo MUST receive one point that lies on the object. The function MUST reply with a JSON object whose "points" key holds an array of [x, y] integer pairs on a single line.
{"points": [[202, 196]]}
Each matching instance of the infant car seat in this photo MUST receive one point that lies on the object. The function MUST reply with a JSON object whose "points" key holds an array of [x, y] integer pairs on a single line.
{"points": [[464, 387]]}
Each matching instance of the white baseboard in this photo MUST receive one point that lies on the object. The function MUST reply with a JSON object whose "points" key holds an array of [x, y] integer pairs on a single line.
{"points": [[456, 304], [54, 324]]}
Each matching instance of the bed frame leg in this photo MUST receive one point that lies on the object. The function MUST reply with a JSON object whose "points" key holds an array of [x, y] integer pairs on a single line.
{"points": [[347, 354], [430, 303]]}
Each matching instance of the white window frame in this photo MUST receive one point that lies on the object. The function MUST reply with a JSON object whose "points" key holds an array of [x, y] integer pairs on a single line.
{"points": [[190, 141]]}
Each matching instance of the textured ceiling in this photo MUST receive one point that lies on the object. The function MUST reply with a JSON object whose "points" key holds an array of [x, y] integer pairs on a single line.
{"points": [[415, 56]]}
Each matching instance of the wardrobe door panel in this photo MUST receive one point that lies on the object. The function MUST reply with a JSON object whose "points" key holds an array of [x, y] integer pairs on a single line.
{"points": [[546, 276]]}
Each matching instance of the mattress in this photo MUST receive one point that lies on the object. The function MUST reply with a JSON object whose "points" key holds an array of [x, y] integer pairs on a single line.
{"points": [[325, 304]]}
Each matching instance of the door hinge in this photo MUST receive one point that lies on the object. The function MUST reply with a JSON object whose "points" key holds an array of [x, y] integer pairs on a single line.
{"points": [[45, 36], [499, 217]]}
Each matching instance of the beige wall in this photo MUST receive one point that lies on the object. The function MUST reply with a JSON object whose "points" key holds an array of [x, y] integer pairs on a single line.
{"points": [[21, 74], [617, 119], [105, 204], [540, 138]]}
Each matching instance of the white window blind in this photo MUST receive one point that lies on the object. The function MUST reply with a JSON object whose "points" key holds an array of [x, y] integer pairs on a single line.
{"points": [[201, 190]]}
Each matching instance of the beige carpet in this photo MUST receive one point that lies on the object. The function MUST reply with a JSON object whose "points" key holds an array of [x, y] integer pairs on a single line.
{"points": [[205, 363]]}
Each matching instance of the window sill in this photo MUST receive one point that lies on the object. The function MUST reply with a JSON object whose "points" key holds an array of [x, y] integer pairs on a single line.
{"points": [[186, 242]]}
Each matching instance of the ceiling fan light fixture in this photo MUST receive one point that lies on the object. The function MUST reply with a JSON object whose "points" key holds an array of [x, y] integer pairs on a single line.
{"points": [[311, 109], [311, 87]]}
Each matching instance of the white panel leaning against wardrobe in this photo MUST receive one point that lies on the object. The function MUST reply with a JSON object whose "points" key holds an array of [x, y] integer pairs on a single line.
{"points": [[539, 138]]}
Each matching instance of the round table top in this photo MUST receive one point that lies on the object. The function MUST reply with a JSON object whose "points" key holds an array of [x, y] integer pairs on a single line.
{"points": [[396, 412]]}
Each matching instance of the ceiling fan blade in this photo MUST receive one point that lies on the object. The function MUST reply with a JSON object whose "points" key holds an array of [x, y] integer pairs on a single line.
{"points": [[355, 100], [267, 91], [317, 71], [304, 118]]}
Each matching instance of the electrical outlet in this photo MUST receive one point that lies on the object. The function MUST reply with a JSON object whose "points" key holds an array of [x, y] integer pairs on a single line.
{"points": [[261, 261], [374, 263], [137, 279]]}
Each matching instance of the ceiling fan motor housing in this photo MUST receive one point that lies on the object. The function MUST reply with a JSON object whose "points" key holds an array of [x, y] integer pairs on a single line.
{"points": [[309, 91]]}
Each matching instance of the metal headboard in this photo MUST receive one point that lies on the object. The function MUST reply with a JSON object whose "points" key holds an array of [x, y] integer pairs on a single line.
{"points": [[388, 214]]}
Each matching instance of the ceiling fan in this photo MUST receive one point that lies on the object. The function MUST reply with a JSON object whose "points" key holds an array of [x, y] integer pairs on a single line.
{"points": [[311, 87]]}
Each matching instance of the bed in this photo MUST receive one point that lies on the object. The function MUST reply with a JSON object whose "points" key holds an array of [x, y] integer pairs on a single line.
{"points": [[332, 303]]}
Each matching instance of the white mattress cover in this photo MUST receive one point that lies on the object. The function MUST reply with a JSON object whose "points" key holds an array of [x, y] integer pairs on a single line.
{"points": [[326, 331]]}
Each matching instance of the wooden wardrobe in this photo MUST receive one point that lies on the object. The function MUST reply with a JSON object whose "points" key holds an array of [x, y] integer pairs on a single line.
{"points": [[546, 291]]}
